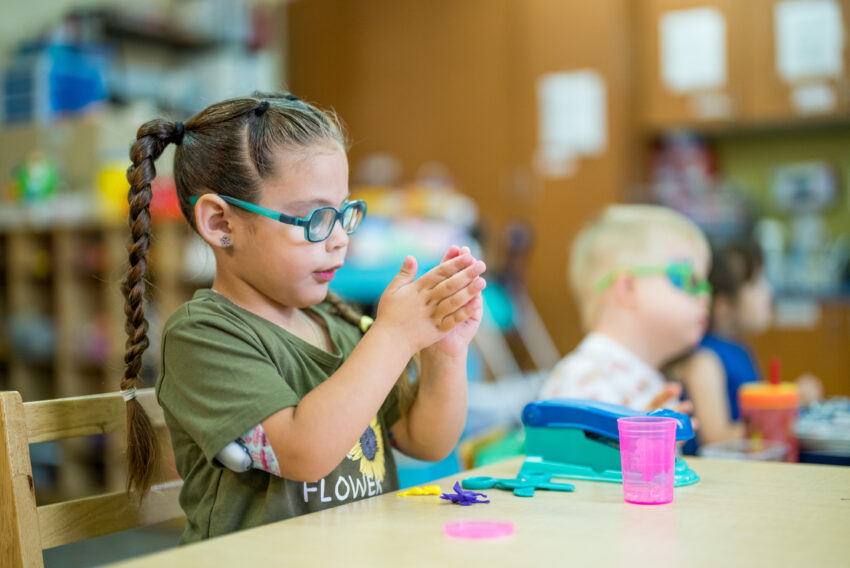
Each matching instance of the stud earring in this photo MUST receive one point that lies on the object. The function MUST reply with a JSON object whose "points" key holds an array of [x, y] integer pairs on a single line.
{"points": [[225, 241]]}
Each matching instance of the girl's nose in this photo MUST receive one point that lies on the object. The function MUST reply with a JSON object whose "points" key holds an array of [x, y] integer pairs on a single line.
{"points": [[338, 237]]}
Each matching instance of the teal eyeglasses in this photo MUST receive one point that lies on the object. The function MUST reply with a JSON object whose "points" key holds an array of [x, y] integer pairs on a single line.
{"points": [[680, 274], [318, 224]]}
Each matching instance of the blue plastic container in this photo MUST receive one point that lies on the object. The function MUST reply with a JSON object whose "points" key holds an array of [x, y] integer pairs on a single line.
{"points": [[40, 85]]}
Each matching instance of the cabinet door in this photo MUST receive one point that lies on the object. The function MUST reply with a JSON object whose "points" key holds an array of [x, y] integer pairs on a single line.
{"points": [[822, 350], [691, 61], [799, 59]]}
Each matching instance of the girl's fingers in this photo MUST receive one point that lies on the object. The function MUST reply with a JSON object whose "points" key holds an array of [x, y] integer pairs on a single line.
{"points": [[457, 281], [444, 270], [458, 300], [467, 311], [453, 252], [406, 274]]}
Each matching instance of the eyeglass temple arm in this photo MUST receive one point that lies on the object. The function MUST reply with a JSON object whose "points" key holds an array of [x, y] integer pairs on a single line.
{"points": [[609, 278], [271, 214], [276, 215]]}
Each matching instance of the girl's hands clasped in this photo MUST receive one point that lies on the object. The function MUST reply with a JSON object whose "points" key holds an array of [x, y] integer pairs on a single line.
{"points": [[455, 342], [443, 304]]}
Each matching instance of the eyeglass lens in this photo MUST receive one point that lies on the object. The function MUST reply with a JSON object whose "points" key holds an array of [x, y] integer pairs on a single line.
{"points": [[322, 221], [683, 277]]}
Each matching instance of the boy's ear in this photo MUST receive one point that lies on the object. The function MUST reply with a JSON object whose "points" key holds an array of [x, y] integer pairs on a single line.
{"points": [[623, 290], [213, 218]]}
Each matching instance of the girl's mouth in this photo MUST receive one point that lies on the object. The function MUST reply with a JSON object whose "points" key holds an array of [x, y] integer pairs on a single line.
{"points": [[325, 275]]}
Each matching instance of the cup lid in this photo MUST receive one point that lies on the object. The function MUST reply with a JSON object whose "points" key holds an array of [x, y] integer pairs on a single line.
{"points": [[767, 396]]}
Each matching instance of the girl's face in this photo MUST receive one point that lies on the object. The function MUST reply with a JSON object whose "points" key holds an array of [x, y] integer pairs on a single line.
{"points": [[674, 319], [755, 305], [276, 263]]}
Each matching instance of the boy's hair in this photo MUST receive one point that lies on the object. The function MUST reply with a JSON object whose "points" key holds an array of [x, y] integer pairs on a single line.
{"points": [[733, 265], [227, 148], [623, 236]]}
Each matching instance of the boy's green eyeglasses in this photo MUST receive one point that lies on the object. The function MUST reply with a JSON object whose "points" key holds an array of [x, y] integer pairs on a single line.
{"points": [[680, 274], [318, 224]]}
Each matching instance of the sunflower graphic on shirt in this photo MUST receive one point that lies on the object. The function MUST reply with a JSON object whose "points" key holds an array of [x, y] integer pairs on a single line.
{"points": [[369, 451]]}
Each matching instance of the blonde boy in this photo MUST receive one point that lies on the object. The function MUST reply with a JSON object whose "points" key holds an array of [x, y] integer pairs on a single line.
{"points": [[638, 274]]}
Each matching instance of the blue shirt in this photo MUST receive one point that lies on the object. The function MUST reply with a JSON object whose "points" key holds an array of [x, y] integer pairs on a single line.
{"points": [[738, 363], [739, 366]]}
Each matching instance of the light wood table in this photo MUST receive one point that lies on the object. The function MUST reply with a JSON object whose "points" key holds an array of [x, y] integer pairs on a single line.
{"points": [[739, 514]]}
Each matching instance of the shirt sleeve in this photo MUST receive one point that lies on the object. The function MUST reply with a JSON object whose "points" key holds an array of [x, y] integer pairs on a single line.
{"points": [[218, 381]]}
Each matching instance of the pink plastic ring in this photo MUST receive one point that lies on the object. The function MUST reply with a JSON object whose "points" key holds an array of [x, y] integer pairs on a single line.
{"points": [[478, 529]]}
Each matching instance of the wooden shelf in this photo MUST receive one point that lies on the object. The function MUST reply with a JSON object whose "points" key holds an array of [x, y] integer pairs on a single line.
{"points": [[160, 34], [64, 284]]}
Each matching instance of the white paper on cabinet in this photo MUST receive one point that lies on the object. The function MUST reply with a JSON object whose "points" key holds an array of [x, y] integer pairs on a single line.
{"points": [[693, 49], [573, 119], [809, 39]]}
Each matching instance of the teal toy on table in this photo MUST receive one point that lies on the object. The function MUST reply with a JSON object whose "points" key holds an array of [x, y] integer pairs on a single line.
{"points": [[578, 439], [522, 485]]}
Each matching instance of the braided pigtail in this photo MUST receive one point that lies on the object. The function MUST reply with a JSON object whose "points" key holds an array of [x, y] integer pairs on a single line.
{"points": [[405, 388], [347, 312], [142, 448]]}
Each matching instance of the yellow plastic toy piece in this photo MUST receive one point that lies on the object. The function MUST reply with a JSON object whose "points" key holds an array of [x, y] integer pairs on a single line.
{"points": [[426, 490]]}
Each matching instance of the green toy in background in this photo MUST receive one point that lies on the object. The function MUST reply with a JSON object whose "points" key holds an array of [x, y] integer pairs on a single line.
{"points": [[35, 180]]}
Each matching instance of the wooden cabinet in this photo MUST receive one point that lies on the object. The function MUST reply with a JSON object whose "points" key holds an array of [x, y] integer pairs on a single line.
{"points": [[690, 67], [822, 350], [719, 63], [776, 88]]}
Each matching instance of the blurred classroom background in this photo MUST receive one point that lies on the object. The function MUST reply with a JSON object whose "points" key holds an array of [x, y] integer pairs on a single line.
{"points": [[503, 124]]}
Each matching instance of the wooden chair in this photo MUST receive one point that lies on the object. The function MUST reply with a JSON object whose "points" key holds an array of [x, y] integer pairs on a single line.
{"points": [[27, 529]]}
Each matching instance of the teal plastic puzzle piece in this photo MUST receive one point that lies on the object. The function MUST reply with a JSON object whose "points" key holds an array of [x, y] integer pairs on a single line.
{"points": [[523, 485]]}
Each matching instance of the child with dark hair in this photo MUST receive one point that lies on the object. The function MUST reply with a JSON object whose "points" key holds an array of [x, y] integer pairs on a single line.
{"points": [[742, 306], [267, 358]]}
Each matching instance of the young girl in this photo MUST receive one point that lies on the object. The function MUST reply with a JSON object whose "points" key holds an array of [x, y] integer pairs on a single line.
{"points": [[723, 362], [267, 357]]}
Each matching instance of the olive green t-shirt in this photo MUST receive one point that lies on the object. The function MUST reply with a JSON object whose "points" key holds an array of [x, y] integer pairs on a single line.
{"points": [[225, 370]]}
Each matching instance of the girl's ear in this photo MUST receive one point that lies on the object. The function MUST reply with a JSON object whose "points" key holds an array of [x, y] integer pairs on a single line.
{"points": [[214, 220], [723, 310]]}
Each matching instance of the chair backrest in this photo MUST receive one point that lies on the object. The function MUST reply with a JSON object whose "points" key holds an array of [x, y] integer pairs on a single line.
{"points": [[25, 528]]}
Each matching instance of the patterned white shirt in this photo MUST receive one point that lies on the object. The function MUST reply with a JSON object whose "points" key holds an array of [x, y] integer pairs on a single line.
{"points": [[603, 369]]}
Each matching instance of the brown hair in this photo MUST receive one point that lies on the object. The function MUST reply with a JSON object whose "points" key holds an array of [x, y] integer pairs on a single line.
{"points": [[734, 264], [226, 148]]}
